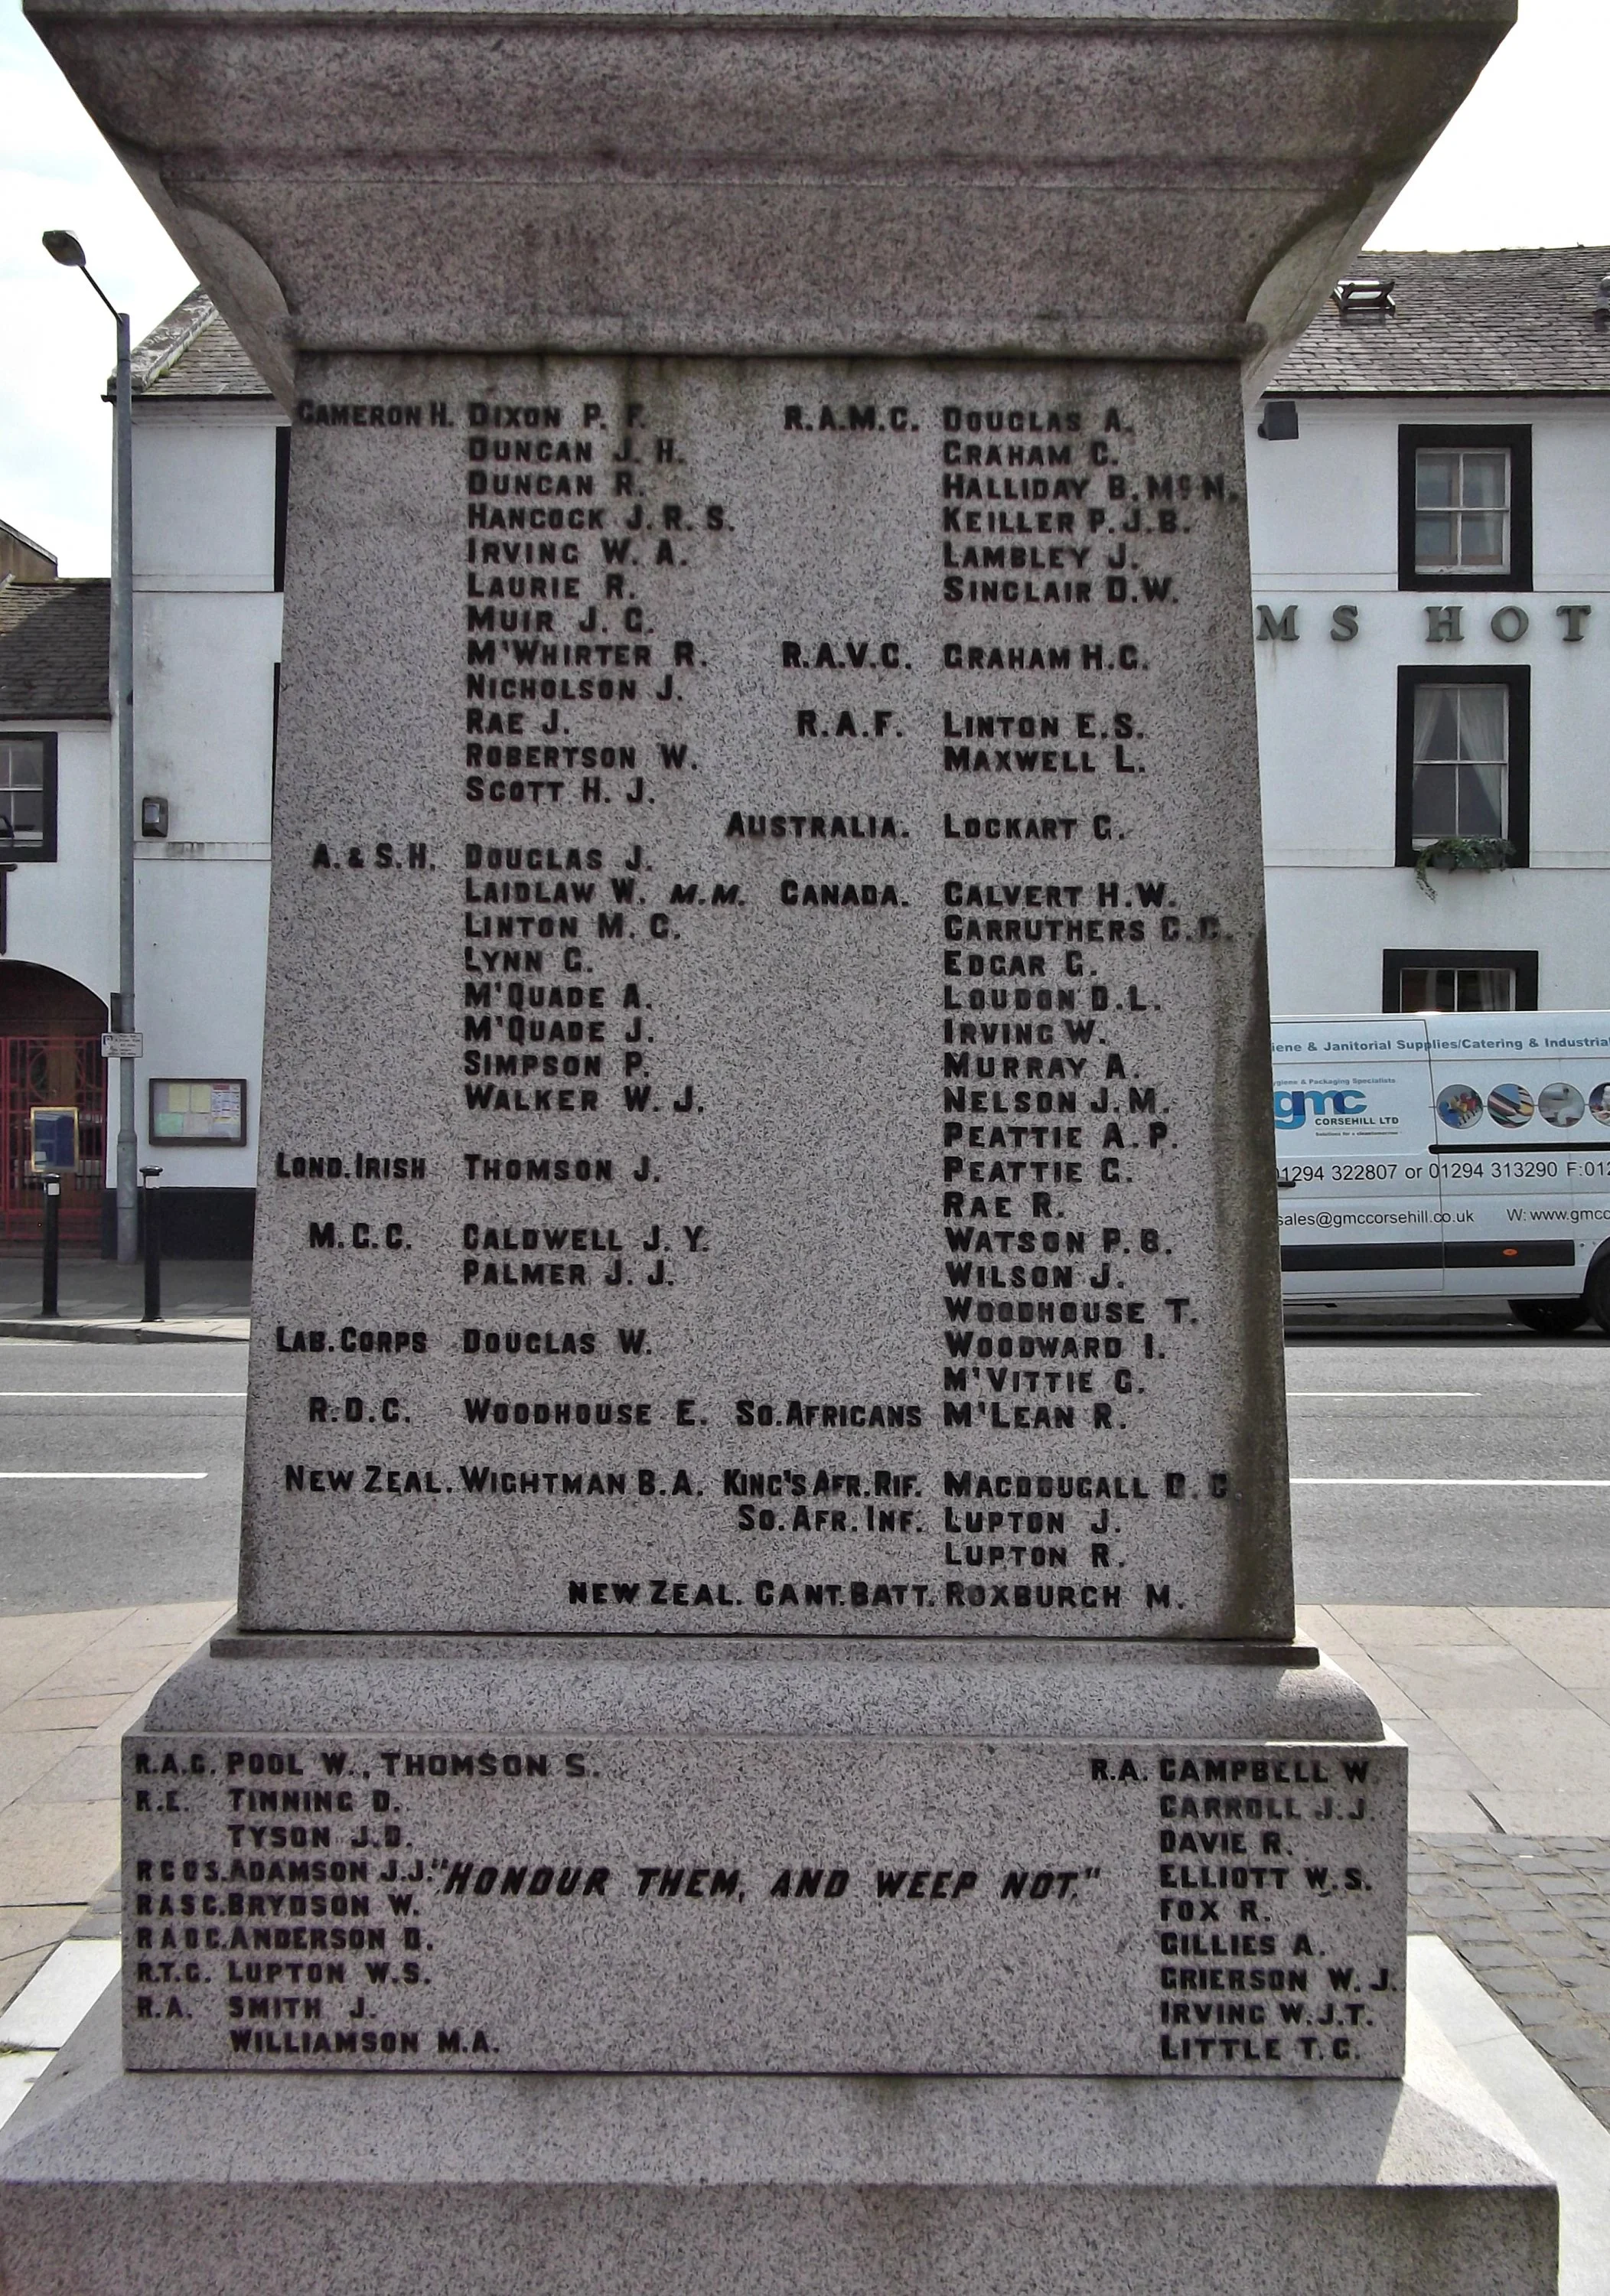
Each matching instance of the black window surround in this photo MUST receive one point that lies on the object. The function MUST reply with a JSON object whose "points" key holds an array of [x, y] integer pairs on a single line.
{"points": [[273, 746], [1396, 962], [282, 500], [45, 848], [1515, 438], [1517, 679]]}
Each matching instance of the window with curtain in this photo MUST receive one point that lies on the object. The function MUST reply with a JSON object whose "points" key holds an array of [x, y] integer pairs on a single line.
{"points": [[1461, 762], [1459, 981], [1456, 988]]}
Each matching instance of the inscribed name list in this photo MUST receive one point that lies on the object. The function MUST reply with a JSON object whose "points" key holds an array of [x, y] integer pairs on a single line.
{"points": [[750, 1905], [765, 1097]]}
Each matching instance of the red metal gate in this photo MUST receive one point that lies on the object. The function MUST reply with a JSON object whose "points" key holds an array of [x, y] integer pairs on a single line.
{"points": [[52, 1072]]}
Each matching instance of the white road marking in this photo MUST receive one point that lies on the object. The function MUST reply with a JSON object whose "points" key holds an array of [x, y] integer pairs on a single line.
{"points": [[1462, 1482]]}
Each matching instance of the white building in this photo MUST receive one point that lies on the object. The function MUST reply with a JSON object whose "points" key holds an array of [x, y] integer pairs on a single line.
{"points": [[209, 491], [1428, 480], [1429, 493], [58, 853]]}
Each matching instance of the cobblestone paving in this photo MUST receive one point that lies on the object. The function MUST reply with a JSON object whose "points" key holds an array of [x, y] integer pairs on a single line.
{"points": [[1532, 1919]]}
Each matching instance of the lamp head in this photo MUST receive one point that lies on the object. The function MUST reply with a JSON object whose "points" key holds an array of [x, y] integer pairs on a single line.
{"points": [[65, 248]]}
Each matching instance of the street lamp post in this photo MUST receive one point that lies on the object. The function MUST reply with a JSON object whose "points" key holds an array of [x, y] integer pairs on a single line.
{"points": [[65, 248]]}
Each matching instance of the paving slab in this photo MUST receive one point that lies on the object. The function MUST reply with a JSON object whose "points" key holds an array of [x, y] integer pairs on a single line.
{"points": [[90, 1288], [1506, 1712], [1572, 1645], [124, 1331], [70, 1683]]}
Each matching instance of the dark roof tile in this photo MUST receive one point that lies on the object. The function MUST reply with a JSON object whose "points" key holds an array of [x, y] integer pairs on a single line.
{"points": [[1483, 322], [55, 641]]}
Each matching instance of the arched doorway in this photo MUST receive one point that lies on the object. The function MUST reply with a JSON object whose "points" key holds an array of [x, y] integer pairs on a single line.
{"points": [[50, 1057]]}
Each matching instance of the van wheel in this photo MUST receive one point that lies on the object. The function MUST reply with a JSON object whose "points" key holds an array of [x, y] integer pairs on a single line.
{"points": [[1597, 1293], [1555, 1318]]}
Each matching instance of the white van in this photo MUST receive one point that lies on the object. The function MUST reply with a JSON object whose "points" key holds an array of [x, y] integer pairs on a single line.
{"points": [[1448, 1154]]}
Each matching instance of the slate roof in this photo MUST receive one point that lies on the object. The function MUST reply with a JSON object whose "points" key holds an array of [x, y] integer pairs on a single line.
{"points": [[193, 355], [1485, 323], [55, 641], [17, 545]]}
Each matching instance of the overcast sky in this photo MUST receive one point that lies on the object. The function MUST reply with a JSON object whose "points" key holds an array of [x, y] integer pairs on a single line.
{"points": [[1522, 166]]}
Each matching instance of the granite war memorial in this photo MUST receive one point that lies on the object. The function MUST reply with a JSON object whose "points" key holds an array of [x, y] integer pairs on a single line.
{"points": [[763, 1741]]}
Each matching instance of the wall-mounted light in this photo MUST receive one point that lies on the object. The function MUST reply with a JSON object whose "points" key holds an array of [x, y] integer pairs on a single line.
{"points": [[153, 816], [1279, 419]]}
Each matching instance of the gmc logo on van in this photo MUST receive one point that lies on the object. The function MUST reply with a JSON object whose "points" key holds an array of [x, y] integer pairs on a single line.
{"points": [[1292, 1109]]}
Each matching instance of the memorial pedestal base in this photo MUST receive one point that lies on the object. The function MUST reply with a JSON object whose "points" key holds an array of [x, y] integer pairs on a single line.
{"points": [[536, 1854], [117, 2183], [963, 1895]]}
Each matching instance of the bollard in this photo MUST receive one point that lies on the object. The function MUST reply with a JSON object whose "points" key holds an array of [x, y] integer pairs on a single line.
{"points": [[53, 1245], [150, 1174]]}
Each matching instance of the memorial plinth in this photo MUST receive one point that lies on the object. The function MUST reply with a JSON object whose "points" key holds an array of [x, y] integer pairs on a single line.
{"points": [[766, 1548]]}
